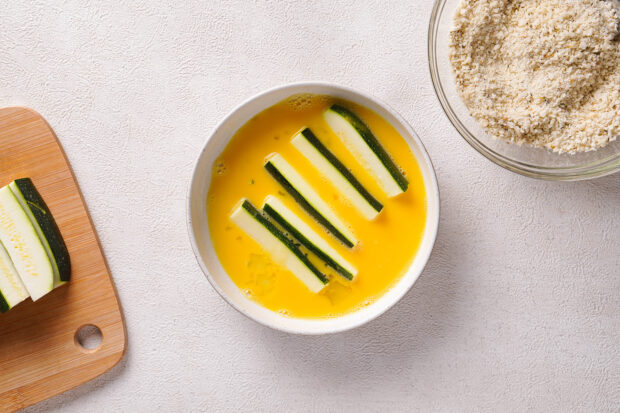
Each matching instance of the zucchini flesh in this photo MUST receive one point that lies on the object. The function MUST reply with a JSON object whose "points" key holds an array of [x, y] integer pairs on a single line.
{"points": [[45, 226], [338, 174], [24, 246], [12, 289], [281, 248], [307, 197], [296, 227], [360, 140]]}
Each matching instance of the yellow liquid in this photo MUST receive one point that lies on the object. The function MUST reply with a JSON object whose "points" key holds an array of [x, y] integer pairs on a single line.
{"points": [[387, 244]]}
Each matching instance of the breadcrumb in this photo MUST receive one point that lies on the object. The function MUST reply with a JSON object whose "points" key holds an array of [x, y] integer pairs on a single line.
{"points": [[540, 72]]}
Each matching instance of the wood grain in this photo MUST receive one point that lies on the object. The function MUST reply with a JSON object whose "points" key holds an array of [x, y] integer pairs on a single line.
{"points": [[39, 356]]}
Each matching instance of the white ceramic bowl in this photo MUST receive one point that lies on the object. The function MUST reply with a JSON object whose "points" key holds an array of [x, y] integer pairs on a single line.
{"points": [[199, 227]]}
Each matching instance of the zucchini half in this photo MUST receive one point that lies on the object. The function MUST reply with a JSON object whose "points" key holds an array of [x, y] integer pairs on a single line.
{"points": [[24, 246], [330, 166], [12, 289], [362, 143], [281, 248], [307, 197], [43, 222], [296, 227]]}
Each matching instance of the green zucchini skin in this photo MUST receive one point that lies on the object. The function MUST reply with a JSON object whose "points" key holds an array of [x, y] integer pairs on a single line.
{"points": [[4, 306], [255, 213], [374, 145], [306, 242], [306, 205], [344, 171], [48, 226]]}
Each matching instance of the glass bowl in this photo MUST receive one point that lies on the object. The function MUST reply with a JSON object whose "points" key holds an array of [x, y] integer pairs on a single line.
{"points": [[525, 160]]}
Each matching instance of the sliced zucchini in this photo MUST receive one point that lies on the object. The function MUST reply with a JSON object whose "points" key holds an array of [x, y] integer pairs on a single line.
{"points": [[338, 174], [47, 230], [296, 227], [281, 248], [307, 197], [359, 139], [24, 246], [12, 289]]}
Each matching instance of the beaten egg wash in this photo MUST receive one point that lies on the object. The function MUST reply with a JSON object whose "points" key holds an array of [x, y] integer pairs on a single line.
{"points": [[384, 246]]}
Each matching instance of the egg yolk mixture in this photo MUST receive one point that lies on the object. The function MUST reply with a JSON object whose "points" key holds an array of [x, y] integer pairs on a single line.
{"points": [[387, 245]]}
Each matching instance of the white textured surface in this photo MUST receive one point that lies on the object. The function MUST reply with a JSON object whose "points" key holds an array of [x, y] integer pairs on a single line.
{"points": [[517, 310]]}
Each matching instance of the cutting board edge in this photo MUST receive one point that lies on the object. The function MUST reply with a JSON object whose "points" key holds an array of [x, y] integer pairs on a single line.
{"points": [[18, 401]]}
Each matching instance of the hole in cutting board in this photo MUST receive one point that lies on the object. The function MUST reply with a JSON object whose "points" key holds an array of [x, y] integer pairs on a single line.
{"points": [[88, 338]]}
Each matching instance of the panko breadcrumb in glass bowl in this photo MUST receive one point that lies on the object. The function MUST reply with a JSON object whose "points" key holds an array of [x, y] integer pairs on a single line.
{"points": [[524, 159]]}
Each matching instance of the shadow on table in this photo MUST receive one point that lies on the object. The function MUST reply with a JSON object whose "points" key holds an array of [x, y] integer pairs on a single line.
{"points": [[408, 335], [416, 325], [419, 329]]}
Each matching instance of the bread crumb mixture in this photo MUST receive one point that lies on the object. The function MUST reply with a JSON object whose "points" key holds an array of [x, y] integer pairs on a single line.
{"points": [[541, 72]]}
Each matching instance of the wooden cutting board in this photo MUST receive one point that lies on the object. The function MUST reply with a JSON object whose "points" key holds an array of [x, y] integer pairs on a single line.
{"points": [[40, 355]]}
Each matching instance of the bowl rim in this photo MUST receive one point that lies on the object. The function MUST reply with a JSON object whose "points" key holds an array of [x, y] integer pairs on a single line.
{"points": [[576, 173], [432, 224]]}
